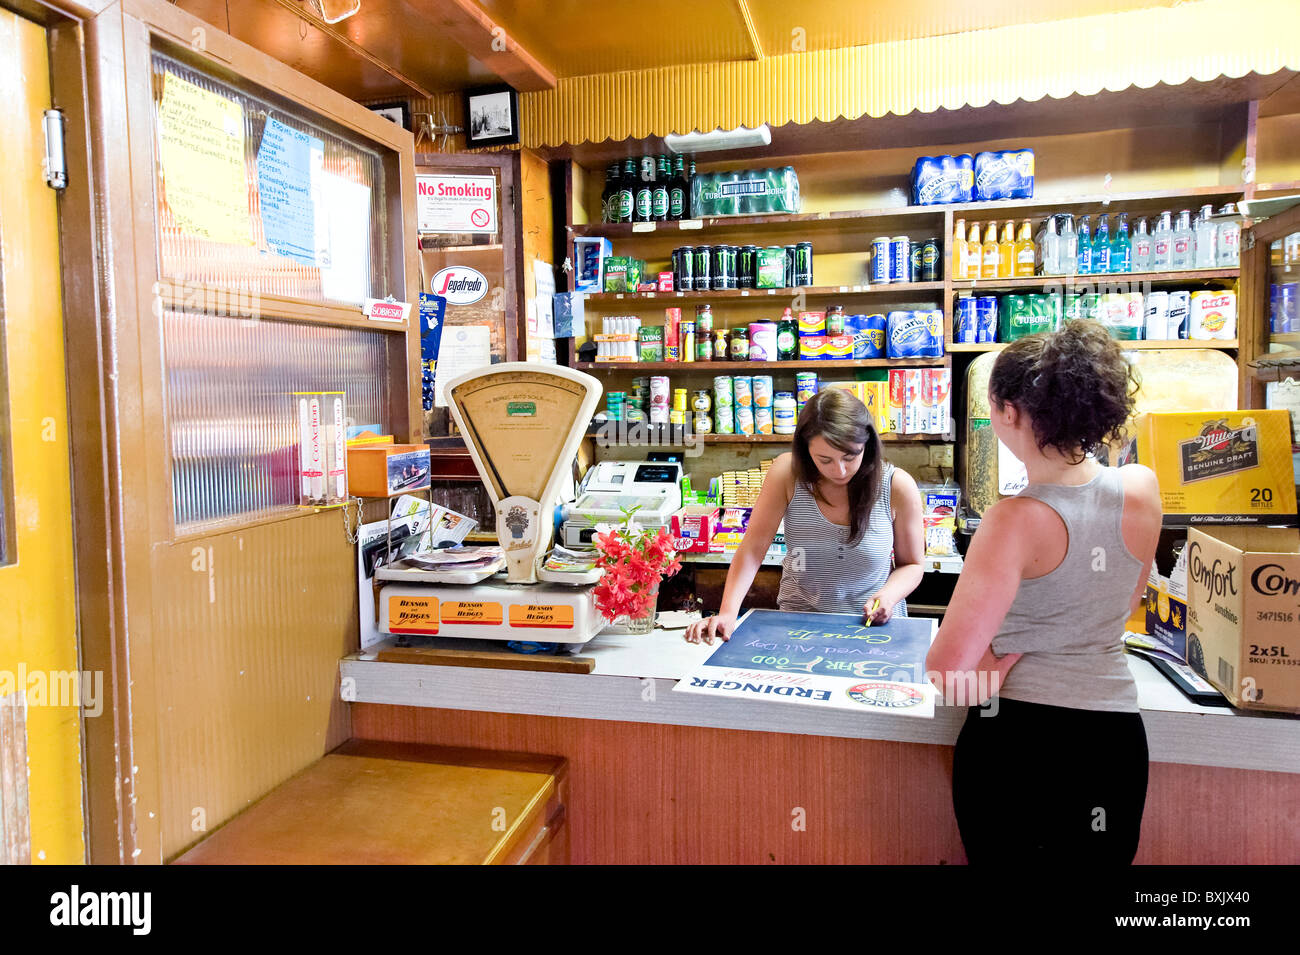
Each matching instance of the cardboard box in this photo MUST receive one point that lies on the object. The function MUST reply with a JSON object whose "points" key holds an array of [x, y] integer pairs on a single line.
{"points": [[387, 469], [1243, 614], [1166, 595], [730, 529], [1220, 467], [693, 527], [589, 254]]}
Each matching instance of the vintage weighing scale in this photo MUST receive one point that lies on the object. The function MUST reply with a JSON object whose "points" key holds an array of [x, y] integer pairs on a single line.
{"points": [[522, 424]]}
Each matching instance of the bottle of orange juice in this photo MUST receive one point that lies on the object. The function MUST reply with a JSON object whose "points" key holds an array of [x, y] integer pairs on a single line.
{"points": [[1007, 251], [974, 251], [989, 268], [959, 249], [1025, 251]]}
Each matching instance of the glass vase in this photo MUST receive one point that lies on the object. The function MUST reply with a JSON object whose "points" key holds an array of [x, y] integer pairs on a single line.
{"points": [[646, 622]]}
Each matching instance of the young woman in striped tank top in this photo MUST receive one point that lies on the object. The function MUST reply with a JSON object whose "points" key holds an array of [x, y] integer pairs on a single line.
{"points": [[1054, 770], [853, 530]]}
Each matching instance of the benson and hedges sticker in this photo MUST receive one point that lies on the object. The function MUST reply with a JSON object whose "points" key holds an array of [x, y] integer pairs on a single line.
{"points": [[888, 695]]}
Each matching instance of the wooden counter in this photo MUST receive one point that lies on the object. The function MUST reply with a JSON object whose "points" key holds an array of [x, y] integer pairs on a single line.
{"points": [[375, 803], [665, 777]]}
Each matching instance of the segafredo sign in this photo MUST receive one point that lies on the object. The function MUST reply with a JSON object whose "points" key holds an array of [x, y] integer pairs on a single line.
{"points": [[459, 285]]}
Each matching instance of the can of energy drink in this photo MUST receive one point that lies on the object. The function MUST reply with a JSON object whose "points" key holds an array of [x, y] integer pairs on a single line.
{"points": [[803, 269], [684, 268], [703, 258], [747, 267]]}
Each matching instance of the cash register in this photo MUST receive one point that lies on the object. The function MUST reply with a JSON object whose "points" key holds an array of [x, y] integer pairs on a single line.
{"points": [[611, 488]]}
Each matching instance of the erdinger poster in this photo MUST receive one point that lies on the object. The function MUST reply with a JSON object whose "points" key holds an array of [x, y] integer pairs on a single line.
{"points": [[822, 660]]}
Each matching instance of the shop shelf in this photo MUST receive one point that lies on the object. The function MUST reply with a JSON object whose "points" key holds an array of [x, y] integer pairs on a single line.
{"points": [[900, 290], [897, 217], [1066, 283], [918, 217], [674, 439], [1126, 345], [750, 367]]}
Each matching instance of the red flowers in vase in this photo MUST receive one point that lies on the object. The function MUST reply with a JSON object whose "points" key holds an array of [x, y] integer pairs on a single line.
{"points": [[634, 560]]}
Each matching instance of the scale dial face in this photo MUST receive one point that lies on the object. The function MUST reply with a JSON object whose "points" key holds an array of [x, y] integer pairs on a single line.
{"points": [[519, 422]]}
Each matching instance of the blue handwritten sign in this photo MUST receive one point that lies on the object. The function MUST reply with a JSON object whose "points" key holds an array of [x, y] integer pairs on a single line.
{"points": [[828, 644], [285, 161]]}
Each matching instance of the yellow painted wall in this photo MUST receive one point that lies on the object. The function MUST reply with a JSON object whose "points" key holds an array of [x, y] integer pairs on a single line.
{"points": [[38, 627], [1201, 40]]}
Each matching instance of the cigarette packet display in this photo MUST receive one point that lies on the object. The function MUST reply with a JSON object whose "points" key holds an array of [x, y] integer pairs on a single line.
{"points": [[322, 442]]}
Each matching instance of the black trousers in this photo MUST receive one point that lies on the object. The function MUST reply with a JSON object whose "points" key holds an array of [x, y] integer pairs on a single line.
{"points": [[1049, 785]]}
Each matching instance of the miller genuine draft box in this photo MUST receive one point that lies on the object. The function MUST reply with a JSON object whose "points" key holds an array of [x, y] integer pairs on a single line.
{"points": [[1220, 467], [1243, 614]]}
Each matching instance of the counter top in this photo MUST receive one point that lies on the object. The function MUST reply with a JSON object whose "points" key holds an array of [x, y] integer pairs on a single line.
{"points": [[634, 677]]}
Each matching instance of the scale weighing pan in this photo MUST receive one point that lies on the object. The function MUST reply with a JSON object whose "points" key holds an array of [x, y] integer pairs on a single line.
{"points": [[522, 424]]}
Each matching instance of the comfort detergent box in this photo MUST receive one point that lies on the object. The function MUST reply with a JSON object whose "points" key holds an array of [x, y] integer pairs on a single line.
{"points": [[1220, 467], [1243, 614]]}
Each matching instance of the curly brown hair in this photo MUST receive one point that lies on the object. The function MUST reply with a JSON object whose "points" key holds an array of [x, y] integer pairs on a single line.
{"points": [[845, 423], [1075, 385]]}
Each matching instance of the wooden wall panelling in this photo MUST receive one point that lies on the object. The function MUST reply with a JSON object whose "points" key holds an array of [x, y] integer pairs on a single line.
{"points": [[248, 688], [649, 794]]}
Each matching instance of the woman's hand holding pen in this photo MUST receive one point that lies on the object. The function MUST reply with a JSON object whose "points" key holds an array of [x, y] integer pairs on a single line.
{"points": [[706, 628], [876, 611]]}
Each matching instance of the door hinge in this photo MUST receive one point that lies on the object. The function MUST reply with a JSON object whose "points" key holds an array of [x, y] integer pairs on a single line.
{"points": [[54, 166]]}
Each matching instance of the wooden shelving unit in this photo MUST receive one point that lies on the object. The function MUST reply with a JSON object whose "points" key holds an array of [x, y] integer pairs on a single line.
{"points": [[757, 367], [678, 437], [892, 290], [1093, 283], [1153, 344]]}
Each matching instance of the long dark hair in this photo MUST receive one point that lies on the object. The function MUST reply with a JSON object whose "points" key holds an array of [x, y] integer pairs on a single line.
{"points": [[845, 423], [1074, 384]]}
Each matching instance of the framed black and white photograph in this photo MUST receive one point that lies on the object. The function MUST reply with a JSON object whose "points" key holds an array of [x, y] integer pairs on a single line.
{"points": [[398, 112], [491, 117]]}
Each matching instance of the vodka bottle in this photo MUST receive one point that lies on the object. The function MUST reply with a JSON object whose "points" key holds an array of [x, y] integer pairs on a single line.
{"points": [[1142, 246], [1205, 231], [1121, 247], [1162, 249], [1227, 253], [1101, 263], [1084, 256], [1184, 242]]}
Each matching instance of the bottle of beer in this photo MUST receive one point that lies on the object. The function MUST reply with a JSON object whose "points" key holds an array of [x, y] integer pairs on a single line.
{"points": [[609, 197], [679, 192], [690, 188], [627, 192], [645, 188], [659, 198]]}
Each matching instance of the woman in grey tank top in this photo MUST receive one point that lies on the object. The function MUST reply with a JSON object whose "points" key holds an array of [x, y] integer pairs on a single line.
{"points": [[853, 529], [1055, 769]]}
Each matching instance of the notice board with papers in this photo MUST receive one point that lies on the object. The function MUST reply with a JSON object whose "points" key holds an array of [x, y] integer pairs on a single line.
{"points": [[261, 198]]}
